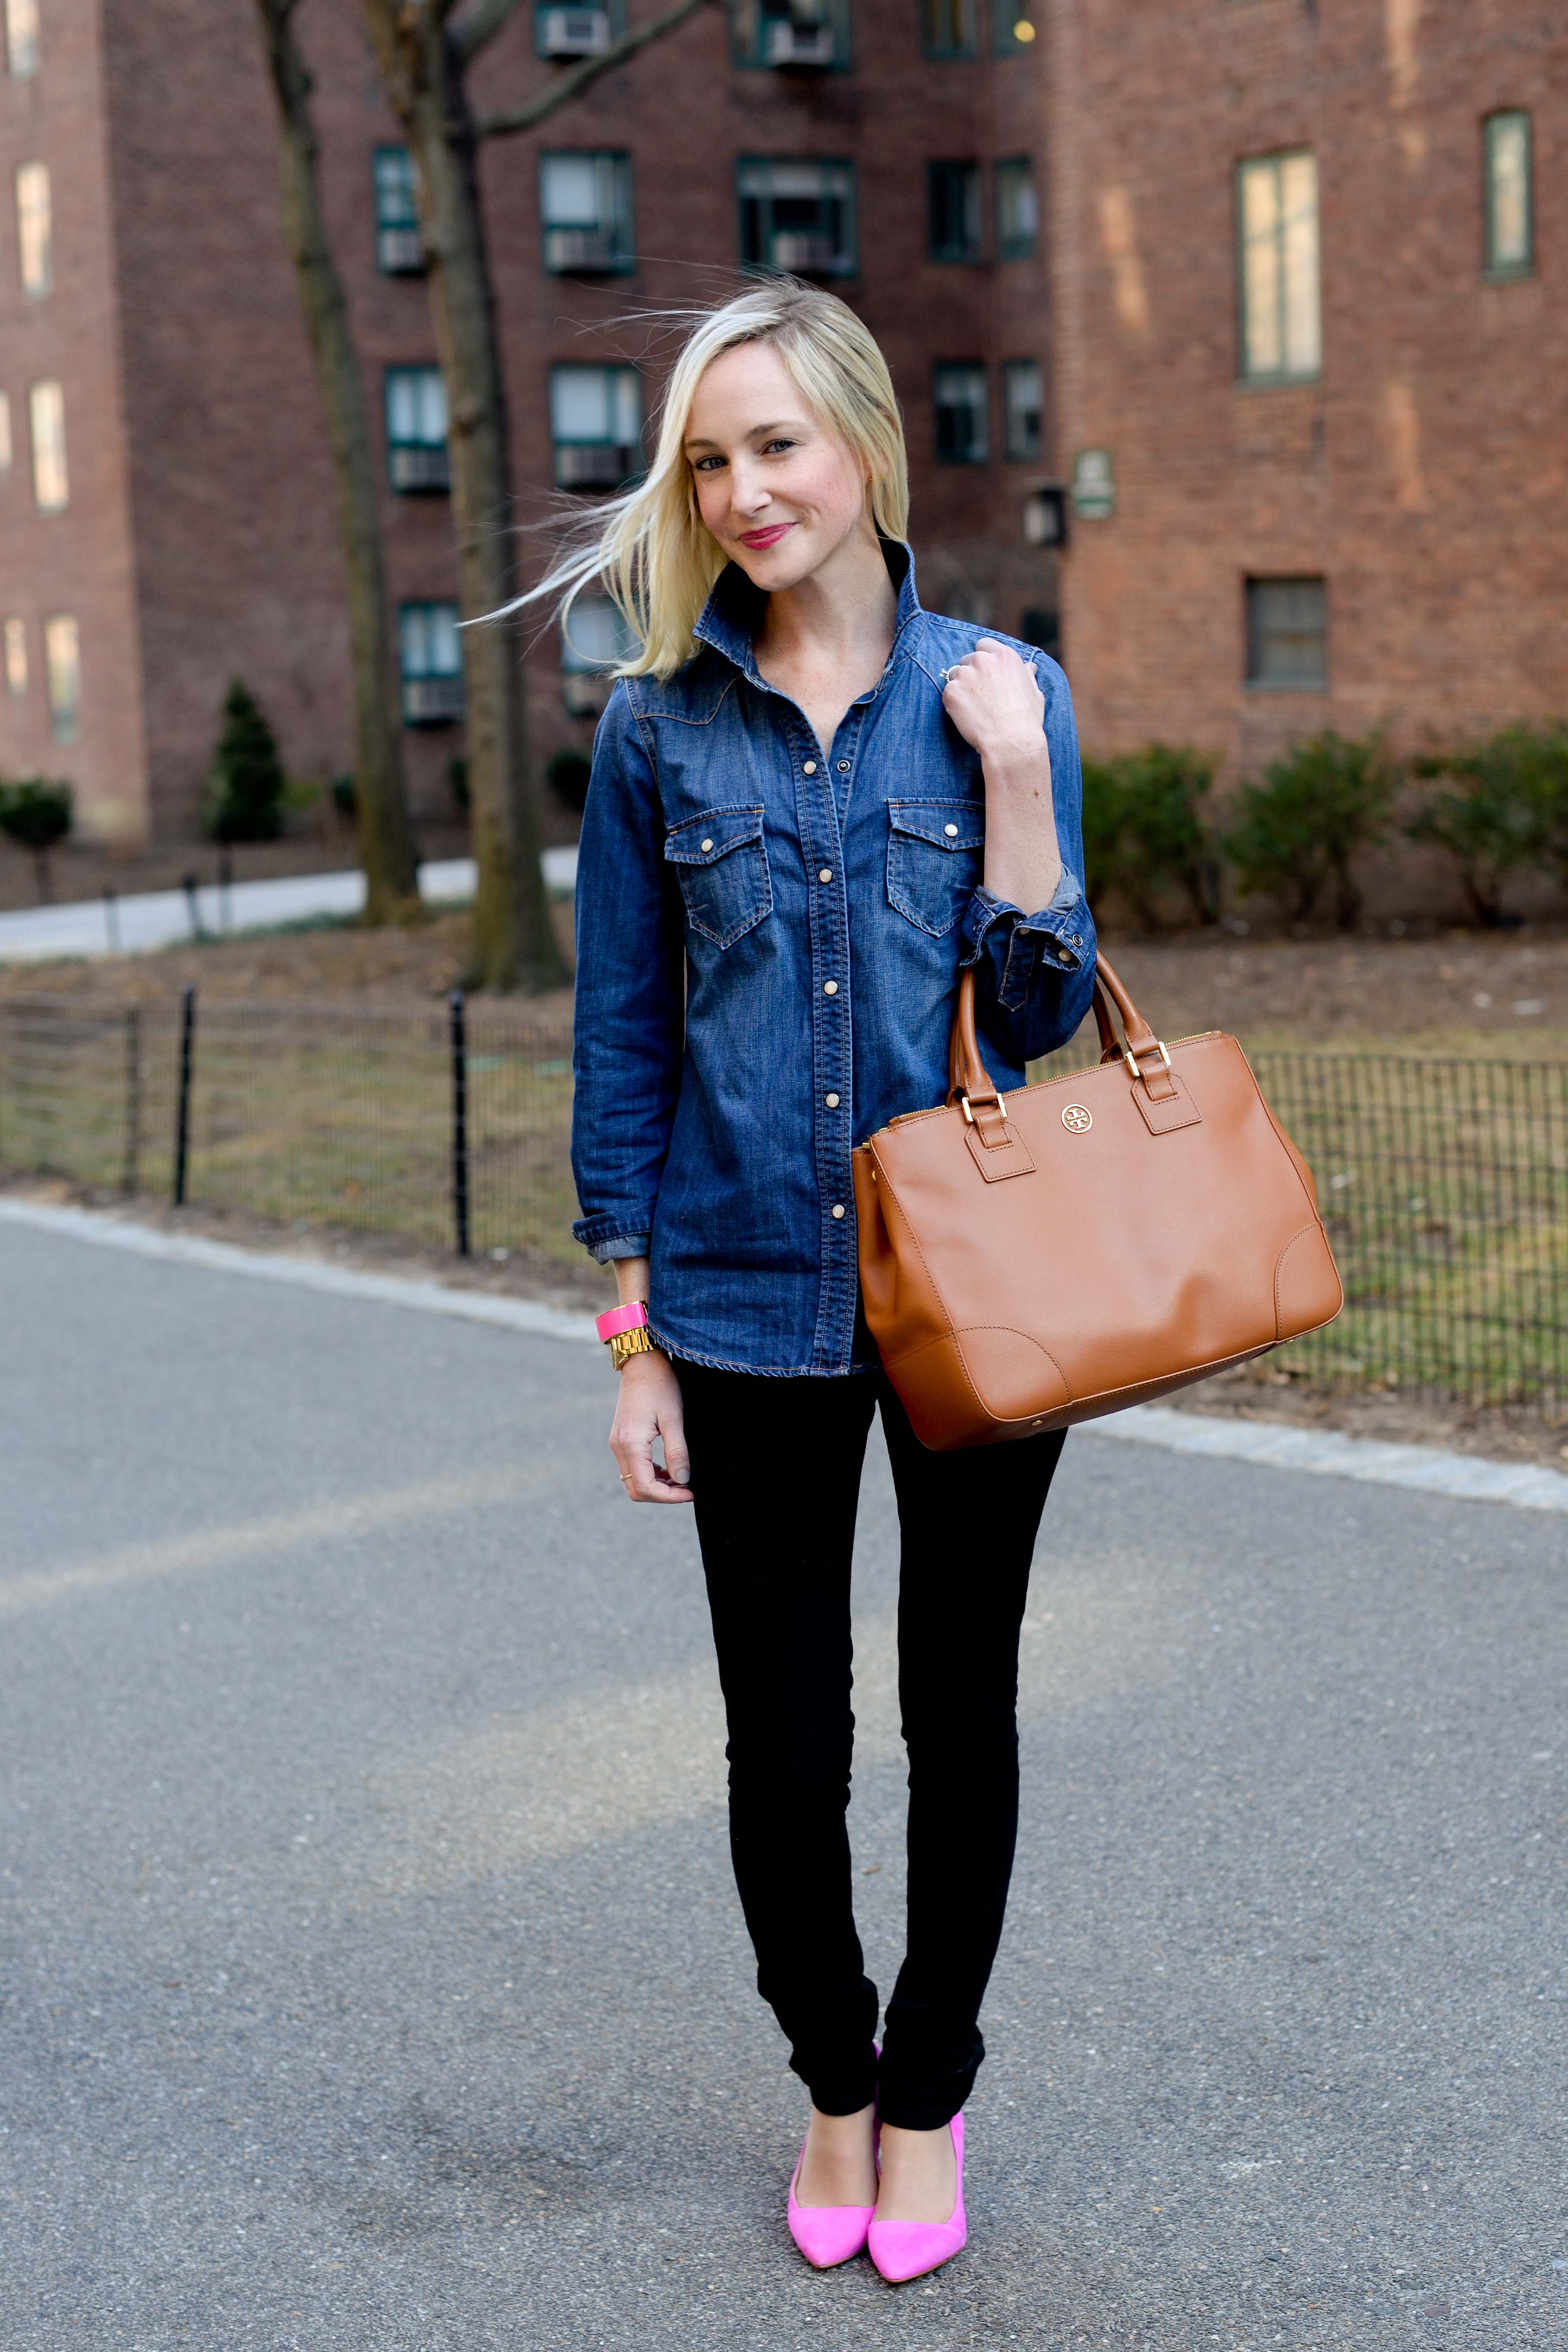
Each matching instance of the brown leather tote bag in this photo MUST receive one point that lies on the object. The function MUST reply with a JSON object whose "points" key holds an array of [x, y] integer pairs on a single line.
{"points": [[1089, 1242]]}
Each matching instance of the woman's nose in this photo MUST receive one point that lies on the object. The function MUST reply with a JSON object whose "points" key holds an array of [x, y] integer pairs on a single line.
{"points": [[747, 491]]}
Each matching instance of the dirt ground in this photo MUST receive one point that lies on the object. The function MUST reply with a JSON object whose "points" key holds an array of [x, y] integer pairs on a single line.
{"points": [[1457, 992]]}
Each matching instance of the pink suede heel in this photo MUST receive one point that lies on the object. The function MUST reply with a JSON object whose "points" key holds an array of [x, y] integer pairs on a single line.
{"points": [[907, 2249], [830, 2234], [827, 2234]]}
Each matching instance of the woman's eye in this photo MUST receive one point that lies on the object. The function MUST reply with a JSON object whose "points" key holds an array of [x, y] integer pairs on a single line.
{"points": [[769, 445], [706, 465]]}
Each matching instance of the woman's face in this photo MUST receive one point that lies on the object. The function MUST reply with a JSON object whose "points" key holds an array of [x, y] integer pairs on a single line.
{"points": [[775, 485]]}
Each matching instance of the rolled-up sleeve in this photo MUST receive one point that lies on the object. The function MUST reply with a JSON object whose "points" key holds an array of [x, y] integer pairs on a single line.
{"points": [[629, 1017], [1035, 972]]}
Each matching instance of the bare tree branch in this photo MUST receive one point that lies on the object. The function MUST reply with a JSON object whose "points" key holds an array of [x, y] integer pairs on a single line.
{"points": [[571, 84], [481, 24]]}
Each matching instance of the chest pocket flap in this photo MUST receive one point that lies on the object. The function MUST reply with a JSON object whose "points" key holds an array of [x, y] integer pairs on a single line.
{"points": [[935, 859], [722, 863]]}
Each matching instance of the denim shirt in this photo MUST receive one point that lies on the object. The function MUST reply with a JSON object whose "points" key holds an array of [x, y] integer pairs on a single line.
{"points": [[768, 949]]}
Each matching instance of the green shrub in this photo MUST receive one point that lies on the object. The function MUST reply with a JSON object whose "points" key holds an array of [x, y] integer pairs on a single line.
{"points": [[247, 784], [1145, 835], [1303, 827], [567, 775], [35, 815], [1506, 807], [1166, 843]]}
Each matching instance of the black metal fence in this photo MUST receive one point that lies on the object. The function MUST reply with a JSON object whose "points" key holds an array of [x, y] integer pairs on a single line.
{"points": [[1443, 1183]]}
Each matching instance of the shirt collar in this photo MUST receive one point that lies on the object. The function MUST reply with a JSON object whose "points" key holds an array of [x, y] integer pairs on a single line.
{"points": [[733, 612]]}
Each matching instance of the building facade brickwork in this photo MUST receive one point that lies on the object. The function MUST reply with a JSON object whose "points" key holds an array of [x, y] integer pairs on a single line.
{"points": [[200, 540], [1417, 472]]}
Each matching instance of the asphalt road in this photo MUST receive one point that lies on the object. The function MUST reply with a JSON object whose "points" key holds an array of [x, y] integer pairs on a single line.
{"points": [[371, 1976]]}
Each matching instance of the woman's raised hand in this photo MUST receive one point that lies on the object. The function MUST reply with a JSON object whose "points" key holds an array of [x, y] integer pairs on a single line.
{"points": [[994, 700], [648, 1405]]}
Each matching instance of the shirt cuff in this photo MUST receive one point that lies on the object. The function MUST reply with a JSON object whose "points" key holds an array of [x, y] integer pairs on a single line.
{"points": [[605, 1238], [1017, 946]]}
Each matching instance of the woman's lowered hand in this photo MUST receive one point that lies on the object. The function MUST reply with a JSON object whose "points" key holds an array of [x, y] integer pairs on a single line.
{"points": [[647, 1406]]}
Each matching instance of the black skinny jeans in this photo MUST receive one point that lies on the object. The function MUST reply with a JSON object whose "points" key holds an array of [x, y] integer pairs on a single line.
{"points": [[775, 1472]]}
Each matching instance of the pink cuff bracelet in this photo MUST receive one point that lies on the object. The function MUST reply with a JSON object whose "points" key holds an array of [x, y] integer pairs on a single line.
{"points": [[630, 1318]]}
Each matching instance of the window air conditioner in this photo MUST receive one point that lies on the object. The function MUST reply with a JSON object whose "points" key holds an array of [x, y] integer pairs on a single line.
{"points": [[579, 248], [575, 32], [789, 44]]}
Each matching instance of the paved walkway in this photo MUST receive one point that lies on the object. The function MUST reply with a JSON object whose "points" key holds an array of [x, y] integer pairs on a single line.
{"points": [[373, 1978], [161, 918]]}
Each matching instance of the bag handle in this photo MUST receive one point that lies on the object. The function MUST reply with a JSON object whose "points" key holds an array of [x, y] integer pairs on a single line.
{"points": [[968, 1083]]}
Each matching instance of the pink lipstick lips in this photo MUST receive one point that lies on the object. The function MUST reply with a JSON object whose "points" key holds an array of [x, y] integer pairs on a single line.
{"points": [[768, 536]]}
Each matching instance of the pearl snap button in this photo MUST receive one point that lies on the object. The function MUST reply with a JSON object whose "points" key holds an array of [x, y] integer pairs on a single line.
{"points": [[950, 831], [809, 769], [708, 844], [838, 1208], [844, 767], [830, 988], [825, 874], [831, 1100]]}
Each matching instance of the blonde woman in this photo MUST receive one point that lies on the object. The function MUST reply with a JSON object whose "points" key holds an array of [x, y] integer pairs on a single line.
{"points": [[812, 803]]}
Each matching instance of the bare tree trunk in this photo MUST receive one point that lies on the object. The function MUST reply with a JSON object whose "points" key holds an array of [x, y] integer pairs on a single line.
{"points": [[514, 942], [385, 838]]}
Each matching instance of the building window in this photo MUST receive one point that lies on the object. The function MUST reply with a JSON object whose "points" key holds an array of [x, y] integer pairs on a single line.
{"points": [[596, 424], [62, 673], [1017, 210], [5, 433], [430, 658], [1511, 226], [785, 34], [959, 392], [1043, 627], [21, 37], [952, 212], [1023, 408], [1012, 34], [566, 32], [949, 28], [399, 248], [797, 216], [585, 204], [594, 637], [51, 484], [16, 657], [1281, 332], [32, 227], [416, 454], [1287, 634]]}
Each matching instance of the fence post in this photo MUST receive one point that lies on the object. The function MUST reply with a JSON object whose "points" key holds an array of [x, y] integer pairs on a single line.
{"points": [[111, 917], [459, 1122], [188, 884], [182, 1114], [128, 1174], [460, 1117]]}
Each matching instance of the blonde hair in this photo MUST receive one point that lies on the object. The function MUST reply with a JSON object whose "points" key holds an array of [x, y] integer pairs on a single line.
{"points": [[650, 548]]}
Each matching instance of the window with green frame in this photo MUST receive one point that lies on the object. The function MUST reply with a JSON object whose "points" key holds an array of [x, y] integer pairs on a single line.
{"points": [[430, 660], [399, 248], [797, 215], [1024, 411], [1277, 269], [576, 32], [791, 34], [1012, 29], [1288, 635], [953, 212], [417, 458], [960, 404], [1509, 197], [596, 425], [949, 28], [585, 205], [1018, 209]]}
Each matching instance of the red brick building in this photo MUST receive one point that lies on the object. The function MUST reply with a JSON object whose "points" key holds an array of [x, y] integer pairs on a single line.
{"points": [[166, 510], [1311, 289]]}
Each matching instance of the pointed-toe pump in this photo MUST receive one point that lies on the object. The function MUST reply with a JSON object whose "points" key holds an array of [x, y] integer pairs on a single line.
{"points": [[907, 2249], [828, 2234]]}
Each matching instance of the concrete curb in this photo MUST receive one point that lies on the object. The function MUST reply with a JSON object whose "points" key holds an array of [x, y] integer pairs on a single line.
{"points": [[1275, 1445]]}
